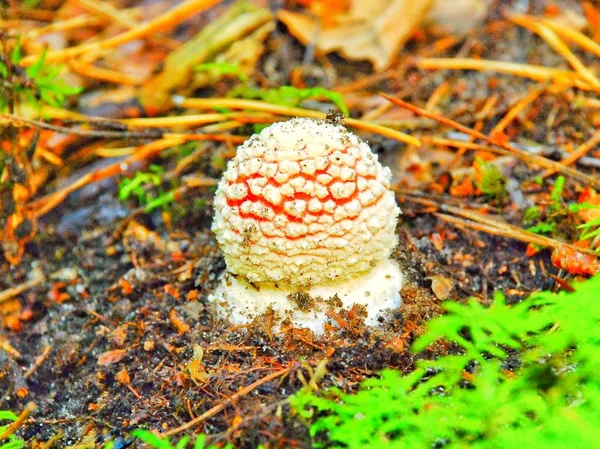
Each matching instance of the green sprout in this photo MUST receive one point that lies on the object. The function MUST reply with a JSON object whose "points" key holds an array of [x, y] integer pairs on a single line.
{"points": [[37, 84], [489, 180], [590, 230], [559, 217], [12, 441], [156, 442], [219, 69], [290, 96], [138, 187]]}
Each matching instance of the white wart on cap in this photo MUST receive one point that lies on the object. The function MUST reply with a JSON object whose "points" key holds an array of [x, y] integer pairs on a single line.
{"points": [[305, 206]]}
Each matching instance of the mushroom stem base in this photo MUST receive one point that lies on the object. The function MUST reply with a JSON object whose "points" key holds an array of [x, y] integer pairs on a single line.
{"points": [[377, 291]]}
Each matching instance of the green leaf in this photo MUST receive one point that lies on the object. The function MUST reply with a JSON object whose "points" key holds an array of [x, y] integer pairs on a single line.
{"points": [[152, 439], [557, 190], [291, 96], [590, 229], [219, 69], [33, 71], [17, 52], [6, 414], [522, 375]]}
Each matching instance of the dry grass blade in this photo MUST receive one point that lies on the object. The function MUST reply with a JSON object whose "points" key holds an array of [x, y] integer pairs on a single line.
{"points": [[558, 45], [12, 428], [197, 119], [171, 18], [235, 103], [11, 292], [573, 35], [103, 74], [534, 72], [539, 160], [516, 110], [80, 21]]}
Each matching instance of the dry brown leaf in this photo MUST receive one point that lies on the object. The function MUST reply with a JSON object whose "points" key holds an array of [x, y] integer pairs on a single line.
{"points": [[123, 377], [110, 357], [458, 16], [441, 286], [371, 29]]}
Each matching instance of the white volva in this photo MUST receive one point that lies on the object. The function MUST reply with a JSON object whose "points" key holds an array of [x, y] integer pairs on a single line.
{"points": [[305, 206]]}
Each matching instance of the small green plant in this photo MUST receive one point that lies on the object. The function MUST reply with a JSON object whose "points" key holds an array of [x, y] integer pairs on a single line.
{"points": [[560, 219], [590, 230], [489, 180], [12, 441], [157, 442], [138, 187], [36, 84], [290, 96], [524, 375], [219, 69]]}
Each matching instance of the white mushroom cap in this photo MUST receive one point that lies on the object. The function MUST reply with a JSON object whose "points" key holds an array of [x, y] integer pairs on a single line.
{"points": [[304, 203], [306, 220]]}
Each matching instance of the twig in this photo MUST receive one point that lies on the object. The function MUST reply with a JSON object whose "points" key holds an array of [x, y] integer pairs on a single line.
{"points": [[29, 408], [234, 397], [17, 121], [235, 103], [578, 153], [558, 45], [38, 362], [534, 72], [14, 291], [146, 133], [539, 160]]}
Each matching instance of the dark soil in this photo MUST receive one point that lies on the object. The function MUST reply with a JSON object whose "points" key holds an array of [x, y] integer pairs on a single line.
{"points": [[116, 299]]}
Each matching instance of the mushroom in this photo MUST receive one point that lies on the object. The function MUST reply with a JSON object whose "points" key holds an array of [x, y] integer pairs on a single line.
{"points": [[306, 221]]}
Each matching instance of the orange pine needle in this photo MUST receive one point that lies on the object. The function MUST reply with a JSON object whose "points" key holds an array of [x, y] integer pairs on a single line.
{"points": [[169, 19], [558, 45], [532, 158], [236, 103], [515, 111], [579, 152], [534, 72]]}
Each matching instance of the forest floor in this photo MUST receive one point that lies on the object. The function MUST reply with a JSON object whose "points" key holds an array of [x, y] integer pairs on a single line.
{"points": [[106, 325]]}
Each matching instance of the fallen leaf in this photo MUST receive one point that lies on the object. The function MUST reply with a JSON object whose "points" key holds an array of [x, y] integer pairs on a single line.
{"points": [[458, 16], [574, 262], [123, 377], [396, 344], [181, 326], [371, 29], [441, 286], [111, 357]]}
